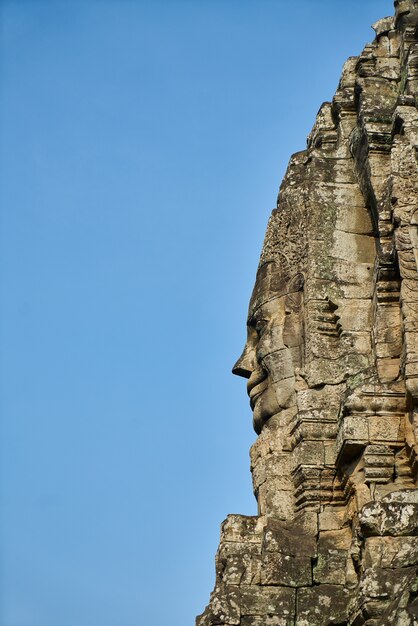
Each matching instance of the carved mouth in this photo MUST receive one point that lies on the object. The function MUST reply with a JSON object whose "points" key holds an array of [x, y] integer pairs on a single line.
{"points": [[256, 378], [254, 399], [256, 391]]}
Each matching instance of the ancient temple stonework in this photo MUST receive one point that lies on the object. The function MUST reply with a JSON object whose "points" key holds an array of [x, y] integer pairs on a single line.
{"points": [[332, 366]]}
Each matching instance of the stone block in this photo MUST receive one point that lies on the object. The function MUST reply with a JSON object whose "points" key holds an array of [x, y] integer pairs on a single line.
{"points": [[388, 369], [388, 343], [403, 496], [379, 461], [353, 434], [307, 521], [331, 518], [383, 584], [389, 519], [238, 563], [391, 552], [321, 370], [280, 363], [330, 453], [386, 428], [283, 569], [317, 286], [309, 427], [354, 427], [331, 566], [320, 403], [274, 502], [335, 539], [267, 601], [241, 528], [267, 620], [356, 342], [316, 486], [278, 537], [309, 453], [378, 455], [270, 440], [272, 466], [322, 604], [224, 607], [331, 170]]}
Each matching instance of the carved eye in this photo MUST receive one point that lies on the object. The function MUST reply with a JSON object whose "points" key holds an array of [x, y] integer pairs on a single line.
{"points": [[260, 326]]}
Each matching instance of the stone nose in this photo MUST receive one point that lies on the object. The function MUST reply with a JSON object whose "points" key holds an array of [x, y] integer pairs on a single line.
{"points": [[245, 365]]}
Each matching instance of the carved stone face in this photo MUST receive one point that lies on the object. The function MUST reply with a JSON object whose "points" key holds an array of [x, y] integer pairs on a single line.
{"points": [[272, 350]]}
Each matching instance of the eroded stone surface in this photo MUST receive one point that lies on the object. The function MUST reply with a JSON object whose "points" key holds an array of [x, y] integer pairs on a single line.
{"points": [[332, 366]]}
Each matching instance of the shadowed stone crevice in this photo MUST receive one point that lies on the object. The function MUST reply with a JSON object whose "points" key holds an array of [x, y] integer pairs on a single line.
{"points": [[331, 363]]}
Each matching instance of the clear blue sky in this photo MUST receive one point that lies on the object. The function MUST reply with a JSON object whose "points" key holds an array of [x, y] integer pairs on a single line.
{"points": [[142, 146]]}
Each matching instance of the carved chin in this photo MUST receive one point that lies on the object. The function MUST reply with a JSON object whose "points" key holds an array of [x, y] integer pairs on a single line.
{"points": [[271, 402], [265, 407]]}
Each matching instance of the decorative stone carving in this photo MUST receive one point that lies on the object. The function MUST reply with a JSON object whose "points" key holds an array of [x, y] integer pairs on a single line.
{"points": [[331, 360]]}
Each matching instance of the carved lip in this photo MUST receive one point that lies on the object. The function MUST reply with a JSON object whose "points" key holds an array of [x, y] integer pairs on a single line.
{"points": [[256, 378], [256, 391]]}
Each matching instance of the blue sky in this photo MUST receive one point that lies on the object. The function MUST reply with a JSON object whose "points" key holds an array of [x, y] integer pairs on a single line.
{"points": [[142, 147]]}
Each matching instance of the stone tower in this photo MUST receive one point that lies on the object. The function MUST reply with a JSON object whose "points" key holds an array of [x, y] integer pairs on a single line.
{"points": [[332, 366]]}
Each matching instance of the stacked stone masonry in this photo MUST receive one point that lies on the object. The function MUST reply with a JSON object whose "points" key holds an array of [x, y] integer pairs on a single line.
{"points": [[332, 366]]}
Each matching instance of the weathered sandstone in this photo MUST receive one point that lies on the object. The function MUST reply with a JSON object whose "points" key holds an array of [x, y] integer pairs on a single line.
{"points": [[332, 366]]}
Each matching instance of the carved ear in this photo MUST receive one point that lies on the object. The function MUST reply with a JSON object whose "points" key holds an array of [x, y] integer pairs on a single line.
{"points": [[413, 234], [293, 302], [296, 283]]}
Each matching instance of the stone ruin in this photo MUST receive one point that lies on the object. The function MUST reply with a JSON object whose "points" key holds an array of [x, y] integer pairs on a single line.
{"points": [[332, 366]]}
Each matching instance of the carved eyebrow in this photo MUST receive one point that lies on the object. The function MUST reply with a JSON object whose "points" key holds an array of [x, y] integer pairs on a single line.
{"points": [[257, 316], [252, 321], [258, 311], [256, 326]]}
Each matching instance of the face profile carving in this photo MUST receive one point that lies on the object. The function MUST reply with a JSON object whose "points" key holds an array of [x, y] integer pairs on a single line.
{"points": [[273, 349], [331, 362]]}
